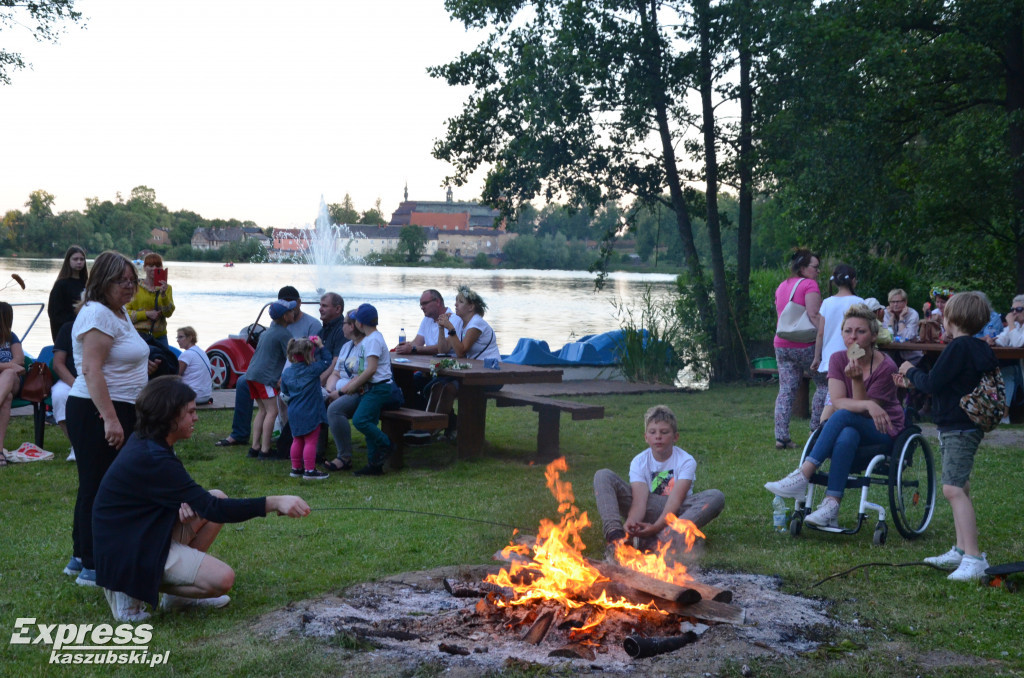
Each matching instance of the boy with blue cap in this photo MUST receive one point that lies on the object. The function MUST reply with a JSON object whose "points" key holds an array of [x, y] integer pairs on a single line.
{"points": [[374, 384]]}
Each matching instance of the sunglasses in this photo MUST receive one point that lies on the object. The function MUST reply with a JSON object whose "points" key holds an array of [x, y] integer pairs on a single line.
{"points": [[1018, 309]]}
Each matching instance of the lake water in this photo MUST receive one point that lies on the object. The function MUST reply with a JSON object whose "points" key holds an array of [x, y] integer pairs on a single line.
{"points": [[555, 306]]}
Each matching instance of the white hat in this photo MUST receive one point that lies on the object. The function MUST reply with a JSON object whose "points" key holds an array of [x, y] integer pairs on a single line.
{"points": [[872, 304]]}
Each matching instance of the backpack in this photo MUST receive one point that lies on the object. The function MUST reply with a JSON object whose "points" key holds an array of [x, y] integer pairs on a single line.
{"points": [[986, 404]]}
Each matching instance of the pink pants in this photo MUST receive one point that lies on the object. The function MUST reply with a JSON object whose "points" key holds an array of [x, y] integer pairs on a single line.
{"points": [[304, 450]]}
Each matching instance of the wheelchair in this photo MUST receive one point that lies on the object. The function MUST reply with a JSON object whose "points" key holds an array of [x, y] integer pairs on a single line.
{"points": [[907, 469]]}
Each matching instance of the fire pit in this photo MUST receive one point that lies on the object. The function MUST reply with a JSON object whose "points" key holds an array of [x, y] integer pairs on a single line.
{"points": [[551, 604]]}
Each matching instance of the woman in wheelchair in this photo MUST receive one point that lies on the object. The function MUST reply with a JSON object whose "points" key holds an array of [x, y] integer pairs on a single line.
{"points": [[861, 388]]}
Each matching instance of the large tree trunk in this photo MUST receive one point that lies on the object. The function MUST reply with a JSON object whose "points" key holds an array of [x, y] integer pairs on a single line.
{"points": [[659, 88], [726, 365], [744, 164], [1014, 69]]}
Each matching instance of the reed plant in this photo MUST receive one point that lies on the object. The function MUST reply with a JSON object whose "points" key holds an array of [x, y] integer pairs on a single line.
{"points": [[652, 347], [891, 622]]}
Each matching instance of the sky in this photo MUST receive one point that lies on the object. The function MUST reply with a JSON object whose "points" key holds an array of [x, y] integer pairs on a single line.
{"points": [[244, 109]]}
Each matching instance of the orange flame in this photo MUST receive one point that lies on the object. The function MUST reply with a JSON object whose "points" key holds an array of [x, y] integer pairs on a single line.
{"points": [[662, 564], [558, 571]]}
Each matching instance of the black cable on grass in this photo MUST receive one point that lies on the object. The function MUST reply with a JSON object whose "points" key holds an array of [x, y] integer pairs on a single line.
{"points": [[421, 513], [863, 565]]}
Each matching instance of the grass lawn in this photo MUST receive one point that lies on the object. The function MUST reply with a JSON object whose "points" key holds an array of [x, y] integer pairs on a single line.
{"points": [[902, 612]]}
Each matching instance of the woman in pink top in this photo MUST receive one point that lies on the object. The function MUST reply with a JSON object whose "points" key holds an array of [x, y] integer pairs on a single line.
{"points": [[793, 357]]}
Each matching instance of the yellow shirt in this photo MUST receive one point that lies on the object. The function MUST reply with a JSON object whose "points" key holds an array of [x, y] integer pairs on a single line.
{"points": [[146, 300]]}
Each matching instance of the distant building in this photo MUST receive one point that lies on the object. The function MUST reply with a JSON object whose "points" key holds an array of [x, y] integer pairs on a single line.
{"points": [[159, 236], [463, 228], [367, 239]]}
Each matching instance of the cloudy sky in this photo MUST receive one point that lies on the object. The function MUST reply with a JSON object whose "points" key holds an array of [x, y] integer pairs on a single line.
{"points": [[244, 109]]}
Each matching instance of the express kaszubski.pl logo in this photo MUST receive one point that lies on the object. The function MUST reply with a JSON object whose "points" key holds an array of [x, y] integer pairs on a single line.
{"points": [[90, 643]]}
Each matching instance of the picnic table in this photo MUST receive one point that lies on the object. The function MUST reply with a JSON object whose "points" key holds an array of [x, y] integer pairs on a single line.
{"points": [[1002, 352], [472, 397]]}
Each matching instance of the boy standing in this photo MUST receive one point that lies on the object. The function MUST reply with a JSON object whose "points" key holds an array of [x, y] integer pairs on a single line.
{"points": [[956, 373], [660, 482]]}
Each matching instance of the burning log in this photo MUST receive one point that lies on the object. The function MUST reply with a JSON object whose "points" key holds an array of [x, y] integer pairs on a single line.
{"points": [[704, 610], [638, 647], [642, 582], [474, 589], [539, 628], [453, 649]]}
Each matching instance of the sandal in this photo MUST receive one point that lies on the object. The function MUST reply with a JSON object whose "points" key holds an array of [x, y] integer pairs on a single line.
{"points": [[338, 465], [229, 442], [784, 445]]}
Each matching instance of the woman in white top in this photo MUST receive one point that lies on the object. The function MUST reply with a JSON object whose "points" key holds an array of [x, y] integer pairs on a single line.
{"points": [[830, 334], [113, 366], [1012, 336], [475, 339], [193, 366], [341, 407]]}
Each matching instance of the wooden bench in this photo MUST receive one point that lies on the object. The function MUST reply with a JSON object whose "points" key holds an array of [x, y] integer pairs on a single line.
{"points": [[549, 411], [394, 423]]}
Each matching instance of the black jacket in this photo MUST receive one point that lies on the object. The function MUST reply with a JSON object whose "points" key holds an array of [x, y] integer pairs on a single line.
{"points": [[955, 374]]}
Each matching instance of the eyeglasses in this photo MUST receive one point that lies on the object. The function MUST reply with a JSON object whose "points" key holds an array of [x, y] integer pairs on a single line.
{"points": [[127, 284], [897, 301], [1018, 309], [427, 303]]}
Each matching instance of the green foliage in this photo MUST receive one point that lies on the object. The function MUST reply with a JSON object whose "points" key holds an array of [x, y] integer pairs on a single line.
{"points": [[413, 241], [43, 19], [344, 213], [443, 259], [547, 252], [652, 344], [481, 260]]}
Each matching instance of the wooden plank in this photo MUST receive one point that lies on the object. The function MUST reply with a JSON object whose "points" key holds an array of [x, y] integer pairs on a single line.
{"points": [[579, 411], [704, 610], [417, 419], [539, 628]]}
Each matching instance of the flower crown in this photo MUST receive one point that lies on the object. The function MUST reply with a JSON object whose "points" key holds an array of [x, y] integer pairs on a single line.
{"points": [[472, 297]]}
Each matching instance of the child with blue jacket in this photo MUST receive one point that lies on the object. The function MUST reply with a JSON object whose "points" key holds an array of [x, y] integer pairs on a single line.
{"points": [[300, 386]]}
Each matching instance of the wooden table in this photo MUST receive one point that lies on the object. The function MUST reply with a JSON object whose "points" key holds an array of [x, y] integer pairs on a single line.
{"points": [[1002, 352], [472, 398]]}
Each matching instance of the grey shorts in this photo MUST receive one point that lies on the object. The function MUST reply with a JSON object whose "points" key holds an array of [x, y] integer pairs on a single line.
{"points": [[182, 564], [958, 449]]}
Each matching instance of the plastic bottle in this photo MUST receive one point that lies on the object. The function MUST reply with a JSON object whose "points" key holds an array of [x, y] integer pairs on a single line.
{"points": [[401, 336], [780, 515]]}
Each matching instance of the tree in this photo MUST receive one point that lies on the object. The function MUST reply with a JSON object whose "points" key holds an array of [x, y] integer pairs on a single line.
{"points": [[43, 19], [374, 216], [909, 135], [588, 100], [344, 213], [413, 241]]}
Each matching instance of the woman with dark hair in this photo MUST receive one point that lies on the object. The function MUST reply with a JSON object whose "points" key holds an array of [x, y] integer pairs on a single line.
{"points": [[830, 333], [154, 524], [66, 292], [113, 365], [12, 371], [793, 357], [152, 304]]}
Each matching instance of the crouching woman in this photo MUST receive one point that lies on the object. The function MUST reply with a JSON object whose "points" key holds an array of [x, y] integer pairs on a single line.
{"points": [[152, 524]]}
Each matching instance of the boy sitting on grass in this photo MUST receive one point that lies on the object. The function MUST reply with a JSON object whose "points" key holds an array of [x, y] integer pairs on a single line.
{"points": [[660, 482]]}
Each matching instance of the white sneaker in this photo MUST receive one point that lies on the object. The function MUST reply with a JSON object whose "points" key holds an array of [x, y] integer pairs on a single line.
{"points": [[826, 515], [71, 455], [126, 608], [971, 568], [950, 560], [173, 602], [792, 486]]}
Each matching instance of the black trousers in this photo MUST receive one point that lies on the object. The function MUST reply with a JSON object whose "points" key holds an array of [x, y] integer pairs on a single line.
{"points": [[93, 456]]}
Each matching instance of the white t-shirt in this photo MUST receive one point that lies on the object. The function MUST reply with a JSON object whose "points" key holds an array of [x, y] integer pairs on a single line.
{"points": [[486, 345], [198, 374], [660, 476], [126, 369], [374, 345], [832, 311], [346, 366], [429, 327]]}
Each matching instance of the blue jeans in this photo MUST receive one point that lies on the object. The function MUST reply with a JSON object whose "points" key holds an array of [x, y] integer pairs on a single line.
{"points": [[366, 418], [839, 439], [241, 422]]}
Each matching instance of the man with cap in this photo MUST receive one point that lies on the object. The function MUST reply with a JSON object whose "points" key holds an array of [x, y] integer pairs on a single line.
{"points": [[241, 421]]}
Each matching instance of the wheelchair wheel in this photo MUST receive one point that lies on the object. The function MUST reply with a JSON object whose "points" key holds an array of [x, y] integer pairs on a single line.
{"points": [[912, 486], [881, 532]]}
